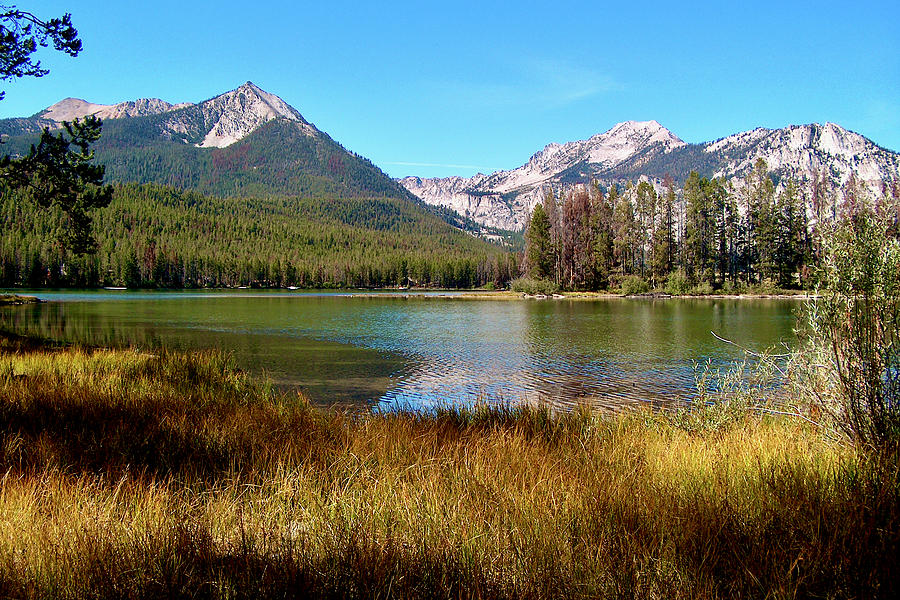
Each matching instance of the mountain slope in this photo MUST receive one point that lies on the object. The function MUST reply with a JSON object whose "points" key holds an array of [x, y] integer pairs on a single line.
{"points": [[243, 142], [632, 150]]}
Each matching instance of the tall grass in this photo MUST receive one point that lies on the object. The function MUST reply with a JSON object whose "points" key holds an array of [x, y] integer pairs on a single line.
{"points": [[135, 475]]}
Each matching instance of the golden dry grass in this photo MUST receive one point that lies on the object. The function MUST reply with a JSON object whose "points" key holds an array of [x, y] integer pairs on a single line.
{"points": [[134, 475]]}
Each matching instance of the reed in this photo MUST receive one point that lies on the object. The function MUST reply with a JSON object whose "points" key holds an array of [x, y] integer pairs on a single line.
{"points": [[134, 475]]}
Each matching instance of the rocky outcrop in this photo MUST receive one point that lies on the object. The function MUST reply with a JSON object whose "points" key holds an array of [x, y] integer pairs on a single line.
{"points": [[75, 108], [646, 150], [214, 123]]}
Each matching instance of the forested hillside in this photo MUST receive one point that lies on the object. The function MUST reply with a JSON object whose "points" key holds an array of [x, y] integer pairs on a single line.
{"points": [[243, 143], [156, 236], [277, 158]]}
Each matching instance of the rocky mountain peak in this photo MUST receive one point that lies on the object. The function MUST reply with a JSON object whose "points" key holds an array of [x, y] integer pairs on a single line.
{"points": [[639, 128], [637, 135], [76, 108], [645, 149], [224, 119], [235, 114]]}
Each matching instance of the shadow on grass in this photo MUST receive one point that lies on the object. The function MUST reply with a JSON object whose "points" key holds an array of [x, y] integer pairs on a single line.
{"points": [[179, 415]]}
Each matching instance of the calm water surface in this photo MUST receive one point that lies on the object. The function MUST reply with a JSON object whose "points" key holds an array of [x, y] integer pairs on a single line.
{"points": [[394, 350]]}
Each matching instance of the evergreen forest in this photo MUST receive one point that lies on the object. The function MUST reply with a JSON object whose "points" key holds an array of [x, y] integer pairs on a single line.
{"points": [[710, 235], [156, 236]]}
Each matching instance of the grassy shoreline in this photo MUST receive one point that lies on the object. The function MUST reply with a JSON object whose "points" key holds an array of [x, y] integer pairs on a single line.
{"points": [[17, 300], [509, 295], [138, 475]]}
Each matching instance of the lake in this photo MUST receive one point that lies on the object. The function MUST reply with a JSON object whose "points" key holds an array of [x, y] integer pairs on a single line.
{"points": [[391, 350]]}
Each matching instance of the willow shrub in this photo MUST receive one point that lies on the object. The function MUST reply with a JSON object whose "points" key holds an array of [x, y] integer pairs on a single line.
{"points": [[850, 366], [532, 287]]}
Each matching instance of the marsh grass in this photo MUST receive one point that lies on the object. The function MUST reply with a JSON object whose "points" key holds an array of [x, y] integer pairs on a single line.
{"points": [[134, 475]]}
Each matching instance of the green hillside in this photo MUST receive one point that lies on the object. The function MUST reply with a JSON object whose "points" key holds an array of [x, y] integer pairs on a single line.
{"points": [[277, 158], [157, 236]]}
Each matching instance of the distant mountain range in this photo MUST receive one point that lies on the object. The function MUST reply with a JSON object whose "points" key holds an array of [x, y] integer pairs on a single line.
{"points": [[249, 142], [646, 149]]}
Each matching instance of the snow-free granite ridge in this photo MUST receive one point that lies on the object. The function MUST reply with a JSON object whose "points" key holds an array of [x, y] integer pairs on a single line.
{"points": [[647, 150]]}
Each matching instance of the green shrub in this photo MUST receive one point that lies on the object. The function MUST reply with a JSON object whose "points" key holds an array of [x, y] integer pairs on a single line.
{"points": [[677, 284], [632, 285], [849, 368], [704, 288], [532, 287], [764, 288], [732, 288]]}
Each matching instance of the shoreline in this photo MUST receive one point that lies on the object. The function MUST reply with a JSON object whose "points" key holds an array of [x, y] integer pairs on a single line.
{"points": [[13, 299], [17, 300], [650, 296]]}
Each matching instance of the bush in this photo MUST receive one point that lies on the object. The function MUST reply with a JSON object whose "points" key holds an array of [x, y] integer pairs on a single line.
{"points": [[532, 287], [632, 285], [677, 284], [764, 288], [704, 288], [732, 288], [850, 366]]}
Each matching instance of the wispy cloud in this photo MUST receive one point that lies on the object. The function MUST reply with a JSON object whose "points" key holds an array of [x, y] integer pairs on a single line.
{"points": [[539, 83], [569, 83]]}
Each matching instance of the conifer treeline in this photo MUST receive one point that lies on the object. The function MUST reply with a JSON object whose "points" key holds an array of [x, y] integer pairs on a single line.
{"points": [[706, 234], [154, 236], [709, 235]]}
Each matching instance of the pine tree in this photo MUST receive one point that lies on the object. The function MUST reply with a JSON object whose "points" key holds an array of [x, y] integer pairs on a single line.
{"points": [[645, 213], [577, 240], [696, 239], [762, 220], [22, 33], [552, 212], [623, 232], [57, 171], [601, 223], [728, 225], [539, 255], [790, 234]]}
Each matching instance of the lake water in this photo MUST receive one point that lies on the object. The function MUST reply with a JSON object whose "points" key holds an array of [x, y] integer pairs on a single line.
{"points": [[395, 350]]}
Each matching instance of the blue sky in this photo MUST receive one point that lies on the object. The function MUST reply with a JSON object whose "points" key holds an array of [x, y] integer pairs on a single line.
{"points": [[452, 88]]}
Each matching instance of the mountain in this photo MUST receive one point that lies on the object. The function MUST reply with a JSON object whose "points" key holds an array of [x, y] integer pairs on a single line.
{"points": [[637, 149], [246, 142], [76, 108], [238, 190], [69, 109]]}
